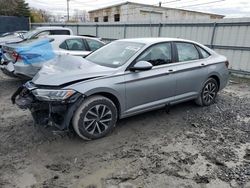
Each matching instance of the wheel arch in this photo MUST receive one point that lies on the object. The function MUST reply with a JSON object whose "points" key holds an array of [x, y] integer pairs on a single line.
{"points": [[110, 95], [216, 77]]}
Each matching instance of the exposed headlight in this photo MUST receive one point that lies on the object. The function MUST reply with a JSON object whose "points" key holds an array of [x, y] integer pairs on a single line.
{"points": [[52, 95]]}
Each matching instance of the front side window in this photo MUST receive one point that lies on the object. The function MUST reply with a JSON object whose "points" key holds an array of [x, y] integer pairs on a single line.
{"points": [[75, 44], [93, 44], [115, 54], [158, 54], [186, 51]]}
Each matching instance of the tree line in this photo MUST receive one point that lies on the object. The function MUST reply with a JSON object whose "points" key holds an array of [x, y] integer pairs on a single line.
{"points": [[14, 8], [21, 8]]}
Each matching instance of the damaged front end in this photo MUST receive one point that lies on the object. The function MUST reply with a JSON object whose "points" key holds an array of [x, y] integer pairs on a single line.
{"points": [[48, 106]]}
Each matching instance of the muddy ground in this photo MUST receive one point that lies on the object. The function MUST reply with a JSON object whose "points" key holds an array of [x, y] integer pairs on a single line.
{"points": [[188, 147]]}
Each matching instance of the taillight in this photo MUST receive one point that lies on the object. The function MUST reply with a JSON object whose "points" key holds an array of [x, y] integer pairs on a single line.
{"points": [[16, 56], [227, 64]]}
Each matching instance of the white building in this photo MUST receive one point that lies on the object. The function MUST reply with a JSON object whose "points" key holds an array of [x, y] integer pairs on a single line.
{"points": [[136, 12]]}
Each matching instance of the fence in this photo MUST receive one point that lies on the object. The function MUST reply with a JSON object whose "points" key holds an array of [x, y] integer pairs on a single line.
{"points": [[230, 37], [13, 23]]}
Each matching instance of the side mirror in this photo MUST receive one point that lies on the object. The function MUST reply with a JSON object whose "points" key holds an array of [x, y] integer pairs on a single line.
{"points": [[141, 66]]}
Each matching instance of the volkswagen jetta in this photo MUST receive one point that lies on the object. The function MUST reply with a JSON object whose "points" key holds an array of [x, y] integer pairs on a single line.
{"points": [[121, 79]]}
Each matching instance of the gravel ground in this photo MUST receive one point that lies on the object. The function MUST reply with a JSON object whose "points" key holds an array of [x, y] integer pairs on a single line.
{"points": [[188, 147]]}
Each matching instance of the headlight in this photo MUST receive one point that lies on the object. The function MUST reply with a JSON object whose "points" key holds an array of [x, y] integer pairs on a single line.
{"points": [[53, 95]]}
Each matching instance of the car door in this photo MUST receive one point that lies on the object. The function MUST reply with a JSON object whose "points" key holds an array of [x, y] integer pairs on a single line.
{"points": [[74, 46], [190, 70], [152, 88]]}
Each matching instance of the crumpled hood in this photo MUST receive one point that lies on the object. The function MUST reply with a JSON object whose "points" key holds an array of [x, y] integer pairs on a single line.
{"points": [[65, 69]]}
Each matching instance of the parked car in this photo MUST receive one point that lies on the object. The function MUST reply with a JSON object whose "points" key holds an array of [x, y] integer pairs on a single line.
{"points": [[26, 58], [121, 79], [8, 37], [12, 34], [34, 34]]}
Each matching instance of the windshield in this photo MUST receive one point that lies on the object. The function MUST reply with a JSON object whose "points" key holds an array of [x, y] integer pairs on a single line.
{"points": [[115, 54], [29, 34]]}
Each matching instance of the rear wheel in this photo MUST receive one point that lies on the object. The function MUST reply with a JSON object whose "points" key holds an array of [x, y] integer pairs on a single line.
{"points": [[95, 118], [209, 93]]}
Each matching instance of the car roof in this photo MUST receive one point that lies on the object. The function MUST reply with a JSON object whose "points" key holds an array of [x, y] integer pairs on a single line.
{"points": [[52, 28], [60, 38], [67, 36], [64, 37], [153, 40]]}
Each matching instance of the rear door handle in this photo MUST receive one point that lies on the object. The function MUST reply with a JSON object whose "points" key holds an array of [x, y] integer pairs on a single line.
{"points": [[170, 70], [202, 64]]}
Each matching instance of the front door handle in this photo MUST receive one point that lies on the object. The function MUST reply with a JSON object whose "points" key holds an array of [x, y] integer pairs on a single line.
{"points": [[170, 70], [202, 64]]}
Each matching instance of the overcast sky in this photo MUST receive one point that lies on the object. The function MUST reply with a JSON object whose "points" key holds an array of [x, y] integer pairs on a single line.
{"points": [[230, 8]]}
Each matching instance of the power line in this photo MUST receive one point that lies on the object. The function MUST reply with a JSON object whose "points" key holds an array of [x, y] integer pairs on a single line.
{"points": [[44, 3], [169, 2], [183, 2], [87, 3], [201, 4]]}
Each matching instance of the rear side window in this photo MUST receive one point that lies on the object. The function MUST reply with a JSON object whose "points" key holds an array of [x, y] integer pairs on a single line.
{"points": [[60, 32], [75, 45], [63, 46], [204, 53], [93, 44], [186, 51]]}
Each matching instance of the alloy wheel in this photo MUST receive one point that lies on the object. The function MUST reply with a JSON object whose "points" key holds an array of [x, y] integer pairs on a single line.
{"points": [[209, 92], [97, 119]]}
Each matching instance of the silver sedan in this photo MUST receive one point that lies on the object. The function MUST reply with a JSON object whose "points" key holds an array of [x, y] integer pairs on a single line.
{"points": [[26, 58], [121, 79]]}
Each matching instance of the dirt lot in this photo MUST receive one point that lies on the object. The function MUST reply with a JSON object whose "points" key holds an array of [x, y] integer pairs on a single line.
{"points": [[188, 147]]}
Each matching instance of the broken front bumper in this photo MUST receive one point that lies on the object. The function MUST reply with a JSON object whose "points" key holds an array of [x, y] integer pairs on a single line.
{"points": [[55, 113]]}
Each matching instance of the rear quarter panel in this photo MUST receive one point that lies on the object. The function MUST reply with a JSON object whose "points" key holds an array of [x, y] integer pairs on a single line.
{"points": [[217, 67]]}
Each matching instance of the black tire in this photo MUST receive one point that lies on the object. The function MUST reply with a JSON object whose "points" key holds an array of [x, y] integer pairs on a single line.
{"points": [[208, 93], [89, 126]]}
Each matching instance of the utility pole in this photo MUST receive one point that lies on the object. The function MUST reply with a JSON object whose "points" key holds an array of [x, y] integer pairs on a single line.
{"points": [[68, 9]]}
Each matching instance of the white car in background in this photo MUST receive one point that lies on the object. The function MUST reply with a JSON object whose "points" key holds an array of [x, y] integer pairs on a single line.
{"points": [[35, 34], [26, 58], [13, 34]]}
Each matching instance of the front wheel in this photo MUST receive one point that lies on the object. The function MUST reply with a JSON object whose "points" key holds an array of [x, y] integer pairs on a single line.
{"points": [[95, 118], [208, 93]]}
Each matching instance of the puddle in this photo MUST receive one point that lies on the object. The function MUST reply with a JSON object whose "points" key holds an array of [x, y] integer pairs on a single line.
{"points": [[96, 179]]}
